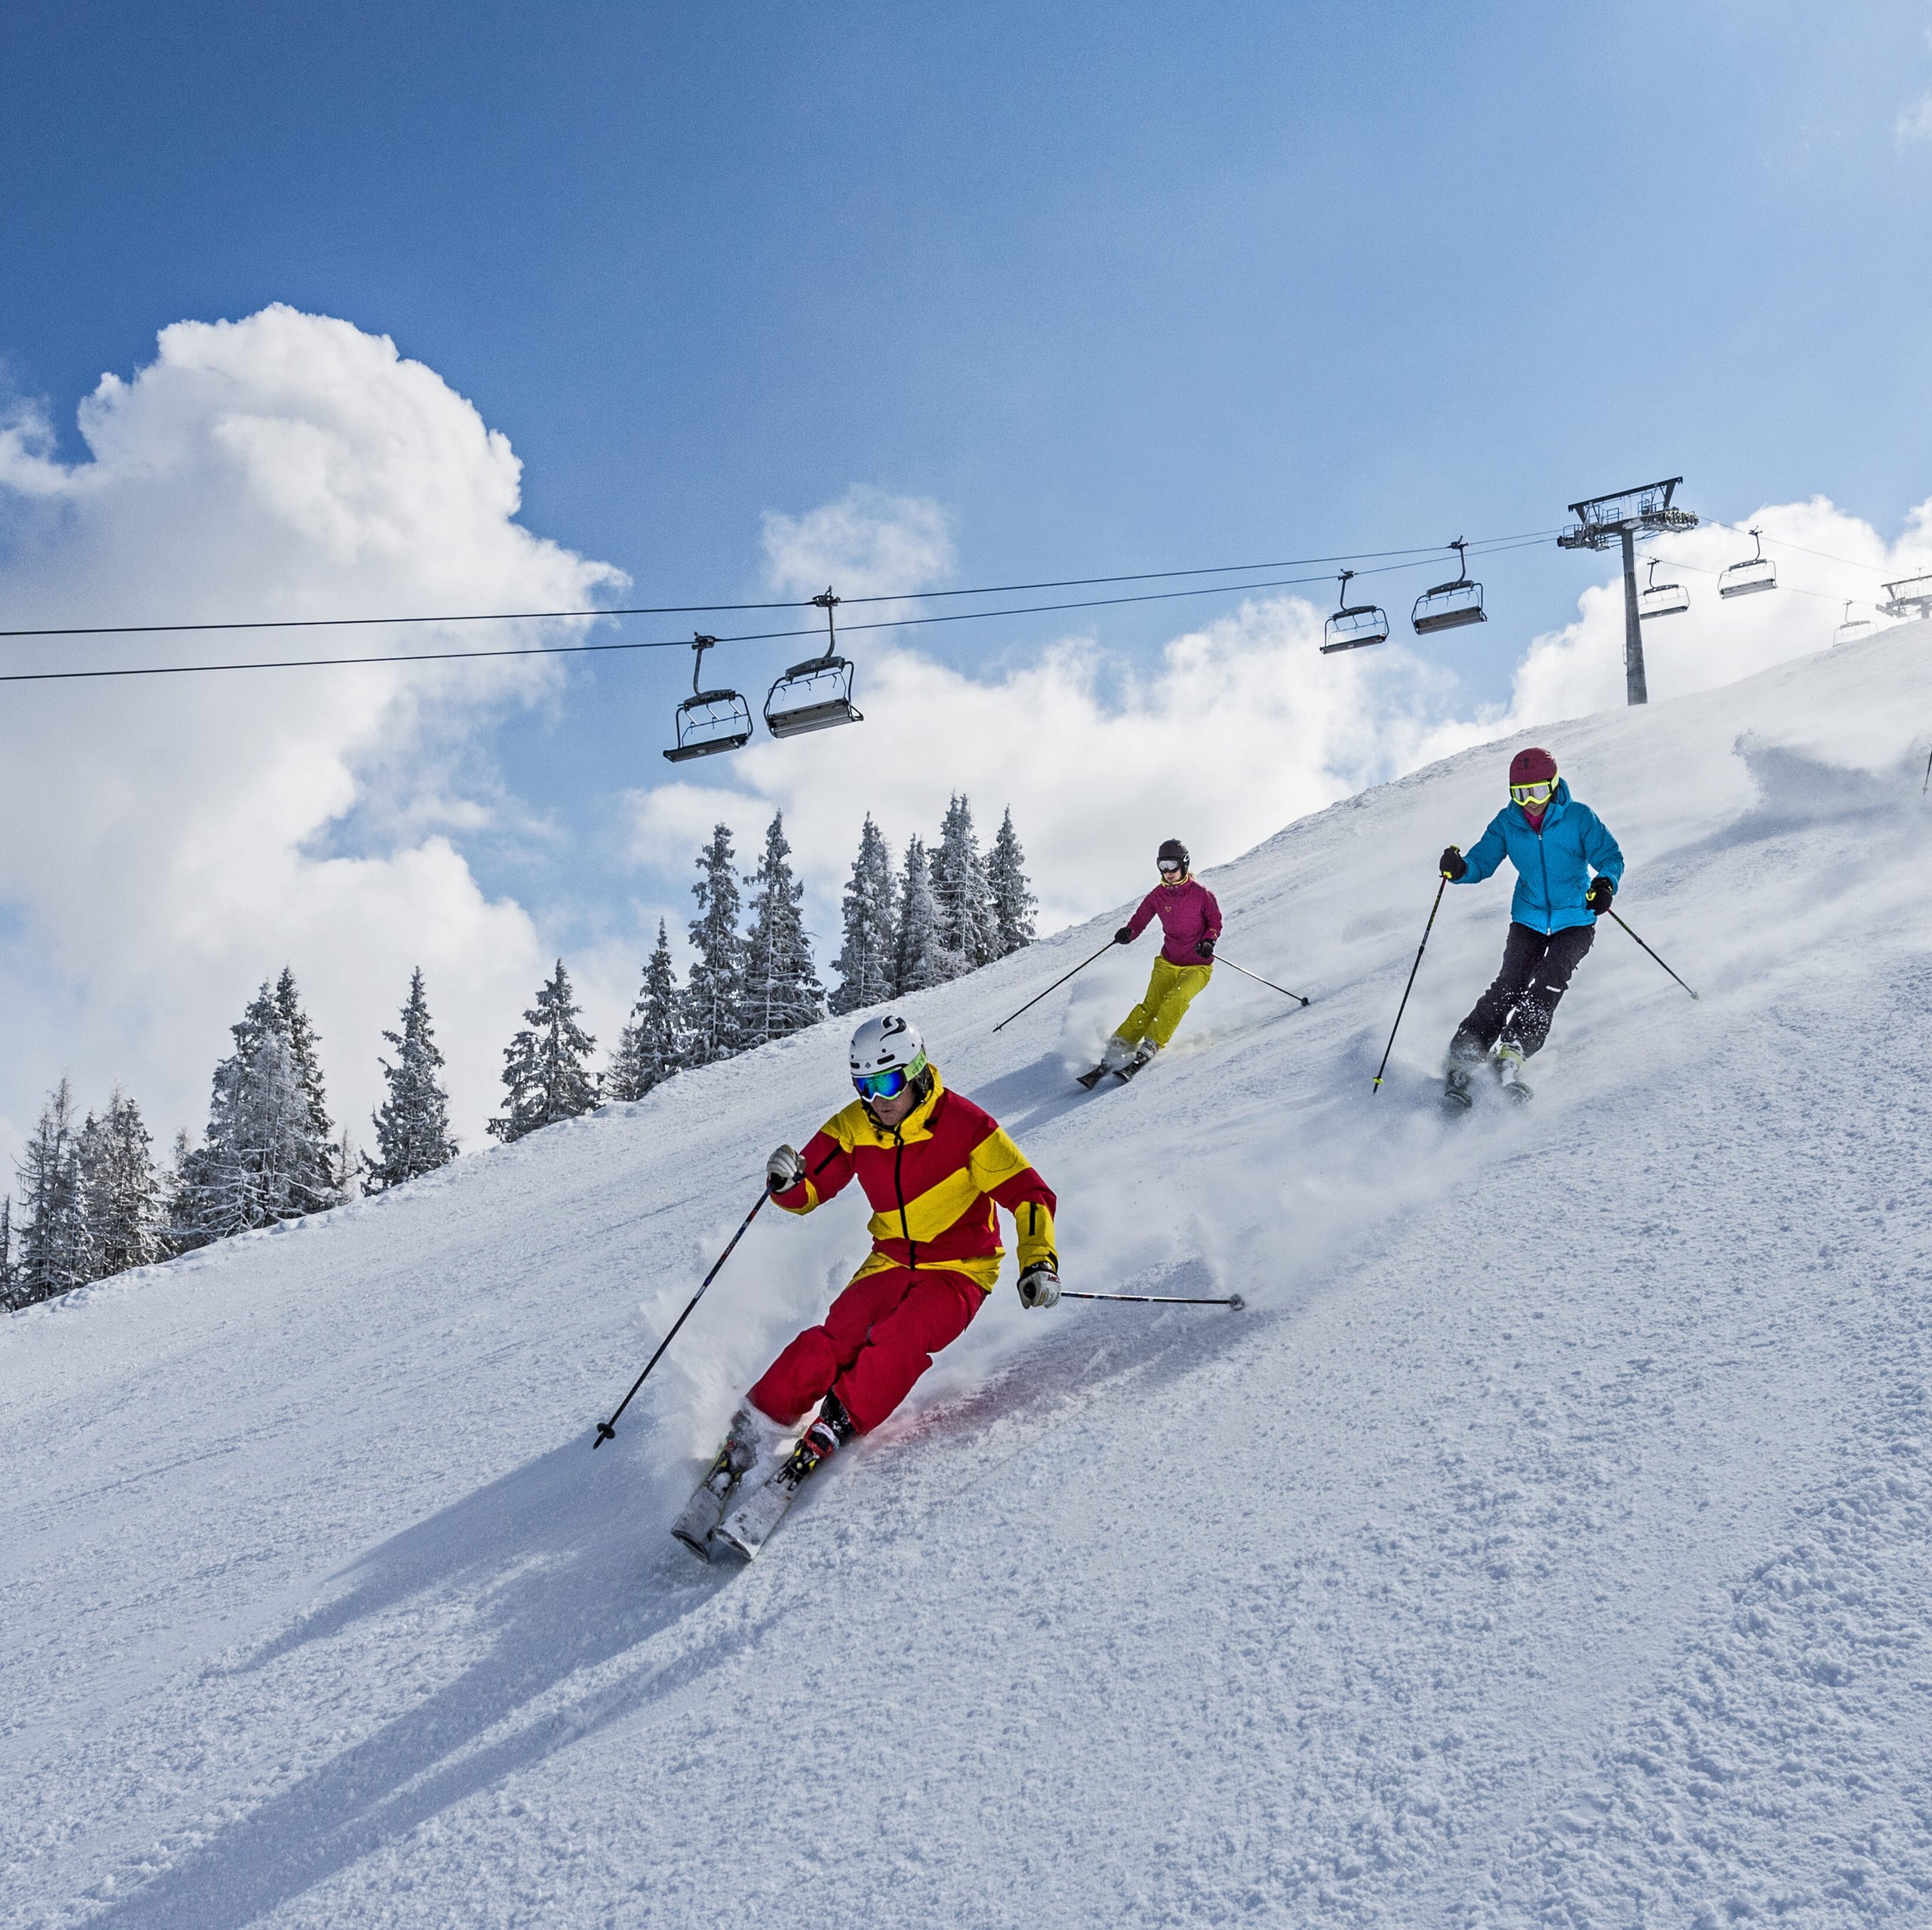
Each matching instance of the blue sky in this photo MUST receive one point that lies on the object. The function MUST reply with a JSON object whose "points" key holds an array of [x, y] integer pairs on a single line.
{"points": [[1119, 288]]}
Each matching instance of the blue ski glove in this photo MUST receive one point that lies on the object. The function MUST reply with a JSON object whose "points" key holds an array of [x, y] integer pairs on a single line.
{"points": [[1601, 892], [1039, 1285], [1454, 864]]}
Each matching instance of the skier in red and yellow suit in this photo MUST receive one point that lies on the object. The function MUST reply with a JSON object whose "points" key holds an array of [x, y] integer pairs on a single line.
{"points": [[933, 1165]]}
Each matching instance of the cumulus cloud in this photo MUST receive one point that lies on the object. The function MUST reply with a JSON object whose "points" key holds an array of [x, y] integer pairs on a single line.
{"points": [[868, 543], [175, 840]]}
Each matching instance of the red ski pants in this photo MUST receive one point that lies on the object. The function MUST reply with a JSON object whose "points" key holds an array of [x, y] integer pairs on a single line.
{"points": [[879, 1337]]}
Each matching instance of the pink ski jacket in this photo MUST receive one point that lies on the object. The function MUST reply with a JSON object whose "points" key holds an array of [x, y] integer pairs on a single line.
{"points": [[1188, 913]]}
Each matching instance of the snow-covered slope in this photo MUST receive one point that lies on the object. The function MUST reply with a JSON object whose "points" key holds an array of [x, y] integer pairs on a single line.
{"points": [[1549, 1543]]}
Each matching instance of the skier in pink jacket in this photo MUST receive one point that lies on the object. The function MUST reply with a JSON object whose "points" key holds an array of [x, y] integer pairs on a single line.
{"points": [[1190, 924]]}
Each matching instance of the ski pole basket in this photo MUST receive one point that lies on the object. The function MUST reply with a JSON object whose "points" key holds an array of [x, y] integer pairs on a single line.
{"points": [[1354, 625], [815, 694], [708, 721], [1449, 606]]}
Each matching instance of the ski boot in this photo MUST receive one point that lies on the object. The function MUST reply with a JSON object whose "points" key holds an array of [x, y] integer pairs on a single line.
{"points": [[1119, 1052], [1455, 1094], [745, 1529], [754, 1445], [1143, 1057], [1507, 1061]]}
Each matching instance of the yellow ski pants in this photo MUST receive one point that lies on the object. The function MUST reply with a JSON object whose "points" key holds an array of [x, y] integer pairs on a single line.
{"points": [[1169, 992]]}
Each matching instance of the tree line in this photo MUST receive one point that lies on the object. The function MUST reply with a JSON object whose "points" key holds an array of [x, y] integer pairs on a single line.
{"points": [[93, 1202]]}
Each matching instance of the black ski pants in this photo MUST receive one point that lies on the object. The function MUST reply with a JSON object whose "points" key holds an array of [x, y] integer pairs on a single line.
{"points": [[1522, 1000]]}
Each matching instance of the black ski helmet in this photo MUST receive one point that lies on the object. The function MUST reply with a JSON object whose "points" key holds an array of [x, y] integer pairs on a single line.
{"points": [[1172, 847]]}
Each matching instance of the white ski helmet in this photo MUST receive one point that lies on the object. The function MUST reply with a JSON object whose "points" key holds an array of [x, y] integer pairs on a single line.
{"points": [[889, 1041]]}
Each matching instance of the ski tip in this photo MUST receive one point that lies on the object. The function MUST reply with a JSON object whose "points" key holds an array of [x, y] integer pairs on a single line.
{"points": [[1235, 1303]]}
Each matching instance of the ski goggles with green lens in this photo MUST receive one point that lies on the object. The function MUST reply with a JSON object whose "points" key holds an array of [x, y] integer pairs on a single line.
{"points": [[890, 1084], [1534, 797]]}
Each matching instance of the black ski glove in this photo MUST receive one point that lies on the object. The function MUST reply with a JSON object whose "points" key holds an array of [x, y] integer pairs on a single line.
{"points": [[1454, 864], [1205, 949], [1125, 936], [1039, 1285], [1601, 892]]}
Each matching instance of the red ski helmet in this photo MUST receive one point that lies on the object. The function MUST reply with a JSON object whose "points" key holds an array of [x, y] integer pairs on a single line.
{"points": [[1532, 767]]}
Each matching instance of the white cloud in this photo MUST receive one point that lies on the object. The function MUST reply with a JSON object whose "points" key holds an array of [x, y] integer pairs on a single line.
{"points": [[1915, 123], [169, 837], [866, 544]]}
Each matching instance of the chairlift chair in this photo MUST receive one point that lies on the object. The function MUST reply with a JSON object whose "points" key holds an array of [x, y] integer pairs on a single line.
{"points": [[1755, 573], [816, 694], [708, 720], [1449, 606], [1853, 627], [1657, 599], [1354, 626]]}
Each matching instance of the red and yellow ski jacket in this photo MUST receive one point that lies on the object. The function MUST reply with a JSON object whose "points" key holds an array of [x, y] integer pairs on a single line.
{"points": [[932, 1184]]}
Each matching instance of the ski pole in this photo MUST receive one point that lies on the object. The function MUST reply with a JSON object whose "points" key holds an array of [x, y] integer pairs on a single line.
{"points": [[1652, 954], [1928, 785], [1054, 987], [1411, 986], [607, 1429], [1257, 978], [1233, 1301]]}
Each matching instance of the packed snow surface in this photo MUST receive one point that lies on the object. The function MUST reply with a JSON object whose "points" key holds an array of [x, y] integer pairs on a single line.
{"points": [[1549, 1542]]}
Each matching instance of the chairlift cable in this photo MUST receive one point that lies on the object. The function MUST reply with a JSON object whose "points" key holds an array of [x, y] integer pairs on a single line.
{"points": [[1422, 561]]}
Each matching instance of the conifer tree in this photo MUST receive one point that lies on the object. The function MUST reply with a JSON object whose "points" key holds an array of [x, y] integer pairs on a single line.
{"points": [[121, 1206], [325, 1183], [650, 1047], [412, 1125], [546, 1067], [713, 1005], [968, 928], [180, 1231], [52, 1236], [260, 1163], [866, 963], [7, 1302], [922, 959], [782, 992], [1013, 900]]}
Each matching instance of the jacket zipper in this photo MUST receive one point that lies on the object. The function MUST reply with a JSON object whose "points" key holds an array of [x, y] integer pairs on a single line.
{"points": [[899, 1188]]}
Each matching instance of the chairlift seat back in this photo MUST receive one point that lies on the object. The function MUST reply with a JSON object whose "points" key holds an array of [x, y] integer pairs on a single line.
{"points": [[1757, 573], [1355, 627], [814, 696], [1447, 607], [1662, 599]]}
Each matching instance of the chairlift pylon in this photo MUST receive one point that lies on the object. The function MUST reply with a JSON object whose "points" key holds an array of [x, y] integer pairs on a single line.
{"points": [[1354, 626], [816, 694], [1755, 573], [708, 721], [1449, 606], [1852, 628], [1657, 599]]}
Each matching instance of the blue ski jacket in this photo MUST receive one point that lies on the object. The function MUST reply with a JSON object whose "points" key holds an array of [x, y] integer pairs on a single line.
{"points": [[1553, 865]]}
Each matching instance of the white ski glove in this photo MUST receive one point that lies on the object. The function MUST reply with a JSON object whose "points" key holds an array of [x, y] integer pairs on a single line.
{"points": [[1039, 1285], [783, 1170]]}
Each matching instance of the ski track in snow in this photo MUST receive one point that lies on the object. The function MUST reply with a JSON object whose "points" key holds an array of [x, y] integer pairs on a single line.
{"points": [[1550, 1544]]}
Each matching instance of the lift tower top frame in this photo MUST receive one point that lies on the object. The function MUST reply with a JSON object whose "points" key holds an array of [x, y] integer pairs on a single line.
{"points": [[1619, 519]]}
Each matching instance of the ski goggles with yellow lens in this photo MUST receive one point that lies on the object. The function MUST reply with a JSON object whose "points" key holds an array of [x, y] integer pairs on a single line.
{"points": [[1534, 797], [890, 1084]]}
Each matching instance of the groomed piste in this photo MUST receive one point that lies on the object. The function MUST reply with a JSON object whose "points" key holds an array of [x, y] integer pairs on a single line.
{"points": [[1549, 1541]]}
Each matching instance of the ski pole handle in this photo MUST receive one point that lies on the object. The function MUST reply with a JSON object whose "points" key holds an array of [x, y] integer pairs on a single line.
{"points": [[1054, 987], [607, 1430], [1232, 1301], [1220, 960], [1411, 986]]}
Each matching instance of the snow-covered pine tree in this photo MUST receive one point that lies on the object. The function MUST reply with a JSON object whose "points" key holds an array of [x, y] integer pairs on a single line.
{"points": [[52, 1234], [968, 928], [713, 1003], [783, 994], [121, 1208], [546, 1068], [7, 1302], [412, 1134], [866, 963], [180, 1231], [650, 1047], [922, 959], [260, 1163], [326, 1184], [1013, 901]]}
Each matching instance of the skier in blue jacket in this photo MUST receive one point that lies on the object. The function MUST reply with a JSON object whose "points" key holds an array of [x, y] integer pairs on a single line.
{"points": [[1555, 844]]}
